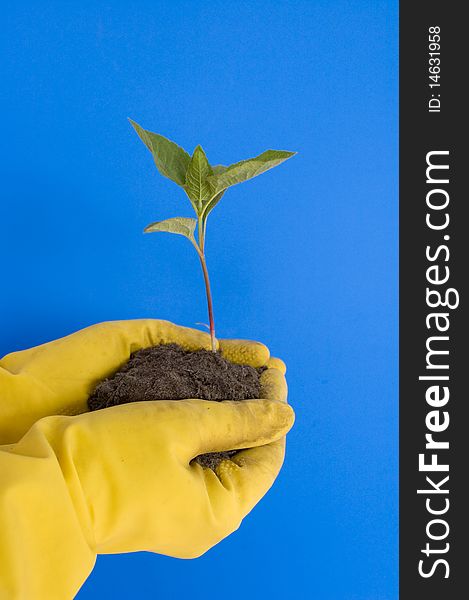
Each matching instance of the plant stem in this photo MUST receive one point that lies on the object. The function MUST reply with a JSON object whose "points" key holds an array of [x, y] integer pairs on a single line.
{"points": [[209, 302], [201, 253]]}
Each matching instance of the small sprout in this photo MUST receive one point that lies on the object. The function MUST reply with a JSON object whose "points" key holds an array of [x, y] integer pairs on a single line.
{"points": [[204, 185]]}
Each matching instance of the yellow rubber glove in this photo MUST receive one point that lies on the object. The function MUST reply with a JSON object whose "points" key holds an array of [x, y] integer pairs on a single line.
{"points": [[121, 479]]}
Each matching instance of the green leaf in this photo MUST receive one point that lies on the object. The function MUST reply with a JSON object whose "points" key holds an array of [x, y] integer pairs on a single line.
{"points": [[179, 225], [217, 169], [197, 187], [171, 160], [247, 169]]}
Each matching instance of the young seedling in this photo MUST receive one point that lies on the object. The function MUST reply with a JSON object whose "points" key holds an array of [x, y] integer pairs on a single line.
{"points": [[204, 185]]}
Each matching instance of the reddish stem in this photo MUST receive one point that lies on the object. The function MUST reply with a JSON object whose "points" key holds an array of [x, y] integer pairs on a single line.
{"points": [[209, 301]]}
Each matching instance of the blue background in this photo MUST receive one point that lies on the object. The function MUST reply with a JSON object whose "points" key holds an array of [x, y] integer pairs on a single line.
{"points": [[303, 258]]}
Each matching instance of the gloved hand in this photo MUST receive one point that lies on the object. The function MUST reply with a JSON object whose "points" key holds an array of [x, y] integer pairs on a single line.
{"points": [[121, 479]]}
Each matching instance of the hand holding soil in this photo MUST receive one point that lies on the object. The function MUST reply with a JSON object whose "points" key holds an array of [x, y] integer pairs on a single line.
{"points": [[123, 479]]}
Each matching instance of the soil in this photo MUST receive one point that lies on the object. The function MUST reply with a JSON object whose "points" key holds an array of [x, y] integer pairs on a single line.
{"points": [[169, 372]]}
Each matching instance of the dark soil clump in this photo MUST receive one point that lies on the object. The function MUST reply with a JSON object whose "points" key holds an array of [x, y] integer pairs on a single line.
{"points": [[169, 372]]}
